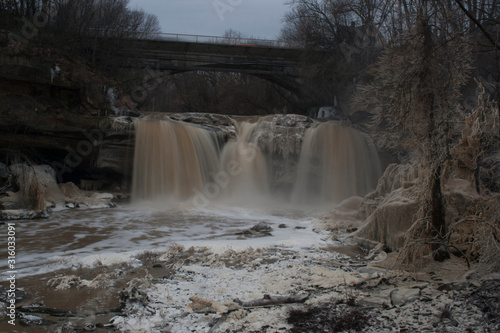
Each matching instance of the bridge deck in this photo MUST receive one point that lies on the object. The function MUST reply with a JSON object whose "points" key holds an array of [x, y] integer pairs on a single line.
{"points": [[185, 56]]}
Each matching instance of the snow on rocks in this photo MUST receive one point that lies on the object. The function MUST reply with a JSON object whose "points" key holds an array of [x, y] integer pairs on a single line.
{"points": [[200, 295], [211, 286], [63, 282]]}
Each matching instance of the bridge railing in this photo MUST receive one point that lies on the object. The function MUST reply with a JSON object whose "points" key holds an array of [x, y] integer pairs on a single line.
{"points": [[213, 39]]}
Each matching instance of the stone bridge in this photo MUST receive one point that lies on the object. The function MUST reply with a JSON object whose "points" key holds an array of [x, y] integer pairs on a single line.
{"points": [[270, 60]]}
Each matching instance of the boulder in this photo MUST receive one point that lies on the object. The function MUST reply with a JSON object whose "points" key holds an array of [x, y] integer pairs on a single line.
{"points": [[401, 296], [37, 183], [262, 227], [74, 197], [258, 230], [344, 217], [392, 218]]}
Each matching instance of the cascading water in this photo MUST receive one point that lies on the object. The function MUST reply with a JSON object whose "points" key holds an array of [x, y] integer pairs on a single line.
{"points": [[184, 162], [172, 160], [336, 162], [247, 178]]}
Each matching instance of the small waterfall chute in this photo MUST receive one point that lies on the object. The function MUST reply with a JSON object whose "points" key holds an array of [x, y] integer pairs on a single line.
{"points": [[246, 167], [336, 162], [172, 160]]}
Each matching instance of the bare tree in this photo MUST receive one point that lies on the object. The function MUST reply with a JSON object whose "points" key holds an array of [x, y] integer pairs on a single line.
{"points": [[21, 8], [341, 39], [416, 91]]}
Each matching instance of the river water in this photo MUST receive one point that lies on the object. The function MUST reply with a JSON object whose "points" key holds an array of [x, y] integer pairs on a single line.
{"points": [[88, 237]]}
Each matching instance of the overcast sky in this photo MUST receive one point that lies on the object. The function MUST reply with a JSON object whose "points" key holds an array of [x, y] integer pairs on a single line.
{"points": [[253, 18]]}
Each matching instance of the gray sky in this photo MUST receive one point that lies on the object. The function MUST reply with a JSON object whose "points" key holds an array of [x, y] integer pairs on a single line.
{"points": [[253, 18]]}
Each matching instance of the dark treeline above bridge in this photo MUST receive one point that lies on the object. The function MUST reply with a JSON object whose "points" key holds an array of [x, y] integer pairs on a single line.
{"points": [[69, 20], [70, 24]]}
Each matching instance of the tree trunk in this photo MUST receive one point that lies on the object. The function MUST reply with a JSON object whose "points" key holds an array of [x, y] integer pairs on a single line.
{"points": [[426, 99], [438, 215]]}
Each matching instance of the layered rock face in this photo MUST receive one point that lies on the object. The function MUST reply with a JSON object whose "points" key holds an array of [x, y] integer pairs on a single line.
{"points": [[58, 114], [280, 138]]}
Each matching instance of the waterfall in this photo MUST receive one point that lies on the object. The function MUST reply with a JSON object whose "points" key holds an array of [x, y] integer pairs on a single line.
{"points": [[246, 167], [336, 162], [186, 163], [172, 160]]}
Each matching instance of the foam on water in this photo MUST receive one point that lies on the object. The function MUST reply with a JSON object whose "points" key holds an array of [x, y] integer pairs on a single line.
{"points": [[85, 237]]}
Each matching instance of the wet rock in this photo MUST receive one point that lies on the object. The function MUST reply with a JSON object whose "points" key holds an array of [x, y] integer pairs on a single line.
{"points": [[23, 214], [450, 322], [262, 227], [282, 226], [32, 320], [89, 327], [116, 151], [3, 310], [281, 136], [203, 119], [20, 294], [258, 230], [293, 120], [401, 296], [40, 309], [8, 199], [221, 124], [132, 295]]}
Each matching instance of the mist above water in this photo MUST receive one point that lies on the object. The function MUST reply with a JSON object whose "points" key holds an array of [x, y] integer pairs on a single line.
{"points": [[180, 163]]}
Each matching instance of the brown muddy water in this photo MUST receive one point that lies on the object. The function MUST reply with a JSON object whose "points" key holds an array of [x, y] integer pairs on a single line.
{"points": [[89, 242]]}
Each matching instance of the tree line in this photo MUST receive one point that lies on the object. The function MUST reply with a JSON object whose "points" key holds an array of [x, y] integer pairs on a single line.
{"points": [[415, 62], [81, 27]]}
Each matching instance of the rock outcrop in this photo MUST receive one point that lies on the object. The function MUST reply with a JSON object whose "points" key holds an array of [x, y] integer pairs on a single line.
{"points": [[38, 191], [57, 117], [280, 138], [391, 210]]}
